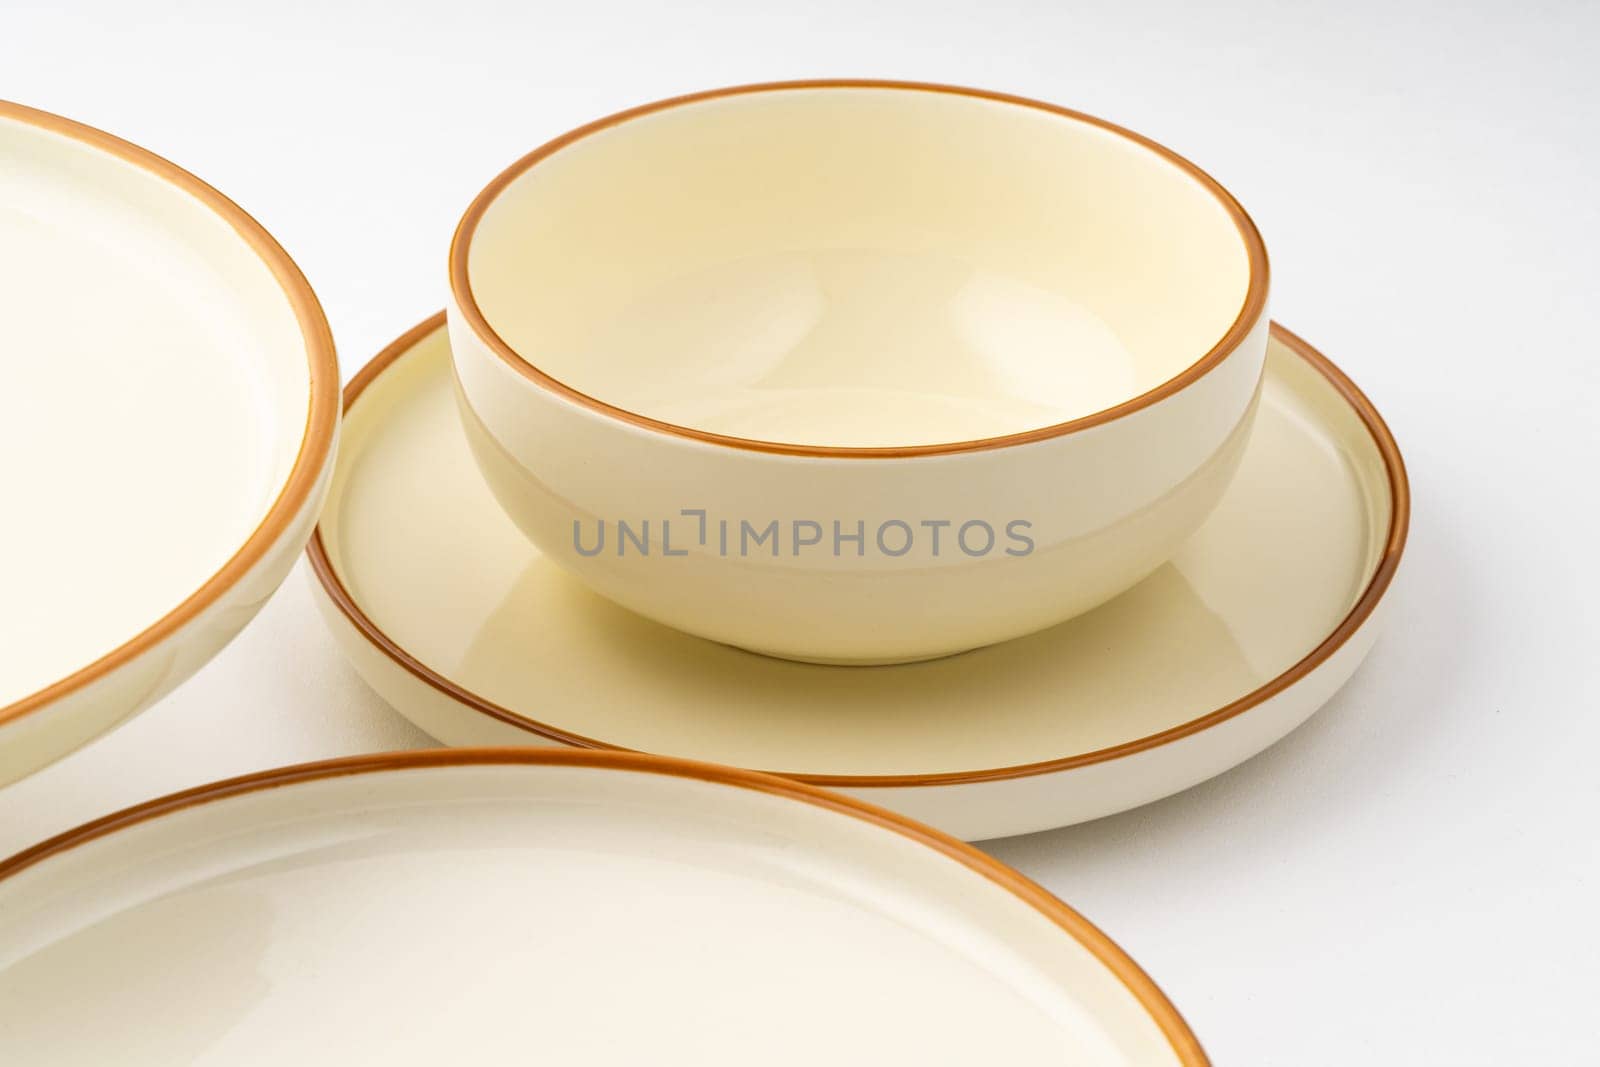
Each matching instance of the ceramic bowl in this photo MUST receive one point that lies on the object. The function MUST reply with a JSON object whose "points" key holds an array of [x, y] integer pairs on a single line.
{"points": [[857, 372]]}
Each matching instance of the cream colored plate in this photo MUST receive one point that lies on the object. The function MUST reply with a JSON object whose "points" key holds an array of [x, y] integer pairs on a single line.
{"points": [[168, 398], [465, 628], [518, 906]]}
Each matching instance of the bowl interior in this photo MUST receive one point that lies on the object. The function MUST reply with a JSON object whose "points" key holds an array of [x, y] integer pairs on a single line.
{"points": [[859, 267]]}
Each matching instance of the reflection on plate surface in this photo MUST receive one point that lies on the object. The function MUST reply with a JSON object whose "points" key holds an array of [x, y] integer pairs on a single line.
{"points": [[490, 913]]}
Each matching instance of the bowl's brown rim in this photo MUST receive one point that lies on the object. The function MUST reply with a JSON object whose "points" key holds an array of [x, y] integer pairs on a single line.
{"points": [[322, 415], [1383, 574], [474, 319], [1111, 955]]}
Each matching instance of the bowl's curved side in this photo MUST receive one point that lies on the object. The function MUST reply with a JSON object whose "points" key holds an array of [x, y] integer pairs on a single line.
{"points": [[844, 560]]}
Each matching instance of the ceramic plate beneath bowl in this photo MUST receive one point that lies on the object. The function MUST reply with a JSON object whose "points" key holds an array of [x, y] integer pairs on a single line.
{"points": [[544, 906], [470, 632], [168, 399]]}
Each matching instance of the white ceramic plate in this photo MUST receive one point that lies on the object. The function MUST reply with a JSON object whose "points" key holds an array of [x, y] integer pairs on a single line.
{"points": [[470, 632], [168, 404], [543, 906]]}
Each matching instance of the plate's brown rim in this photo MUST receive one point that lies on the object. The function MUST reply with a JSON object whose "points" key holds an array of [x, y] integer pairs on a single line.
{"points": [[322, 415], [1394, 547], [1250, 310], [1133, 977]]}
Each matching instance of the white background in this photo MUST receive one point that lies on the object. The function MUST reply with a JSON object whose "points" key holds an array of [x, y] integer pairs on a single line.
{"points": [[1409, 879]]}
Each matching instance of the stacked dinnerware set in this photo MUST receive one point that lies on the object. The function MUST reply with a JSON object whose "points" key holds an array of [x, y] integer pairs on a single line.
{"points": [[792, 462]]}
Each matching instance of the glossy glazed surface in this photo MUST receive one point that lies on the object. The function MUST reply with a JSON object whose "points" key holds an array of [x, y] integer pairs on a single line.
{"points": [[413, 910], [831, 286], [858, 267], [479, 638], [167, 417]]}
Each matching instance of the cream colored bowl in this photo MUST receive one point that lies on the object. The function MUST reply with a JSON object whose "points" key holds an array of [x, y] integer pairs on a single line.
{"points": [[857, 372], [168, 406]]}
